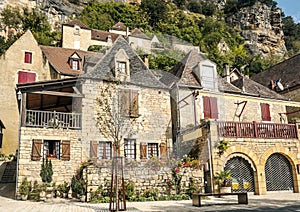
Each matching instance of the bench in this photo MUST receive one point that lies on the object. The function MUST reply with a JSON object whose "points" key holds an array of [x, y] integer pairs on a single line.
{"points": [[242, 197]]}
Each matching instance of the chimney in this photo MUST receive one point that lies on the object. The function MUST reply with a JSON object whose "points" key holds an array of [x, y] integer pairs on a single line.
{"points": [[227, 73], [146, 61]]}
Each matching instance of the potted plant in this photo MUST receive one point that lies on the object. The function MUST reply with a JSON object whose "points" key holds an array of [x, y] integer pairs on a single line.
{"points": [[78, 187], [64, 189], [25, 188], [223, 179]]}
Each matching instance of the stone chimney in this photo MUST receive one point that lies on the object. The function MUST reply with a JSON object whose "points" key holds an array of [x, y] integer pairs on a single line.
{"points": [[146, 61], [227, 73]]}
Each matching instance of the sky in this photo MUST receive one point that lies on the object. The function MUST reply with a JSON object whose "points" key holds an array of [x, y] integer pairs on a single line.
{"points": [[290, 8]]}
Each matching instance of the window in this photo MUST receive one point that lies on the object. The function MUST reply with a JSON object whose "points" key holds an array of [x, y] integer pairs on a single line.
{"points": [[208, 76], [210, 107], [25, 77], [28, 57], [265, 112], [122, 67], [104, 150], [128, 101], [1, 132], [130, 148], [54, 149], [74, 64], [152, 150], [76, 32]]}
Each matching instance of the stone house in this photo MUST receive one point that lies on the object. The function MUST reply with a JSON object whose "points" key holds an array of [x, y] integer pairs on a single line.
{"points": [[283, 78], [25, 61], [234, 126], [59, 118]]}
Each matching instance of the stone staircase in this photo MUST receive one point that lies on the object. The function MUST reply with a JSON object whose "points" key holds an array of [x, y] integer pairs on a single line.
{"points": [[9, 173]]}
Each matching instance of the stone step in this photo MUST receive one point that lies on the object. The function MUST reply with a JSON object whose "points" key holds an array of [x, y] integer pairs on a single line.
{"points": [[9, 175]]}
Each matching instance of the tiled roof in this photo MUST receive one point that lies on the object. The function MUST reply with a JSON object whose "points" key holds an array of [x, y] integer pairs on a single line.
{"points": [[287, 71], [138, 34], [102, 35], [139, 73], [119, 26], [78, 23], [58, 59], [253, 88]]}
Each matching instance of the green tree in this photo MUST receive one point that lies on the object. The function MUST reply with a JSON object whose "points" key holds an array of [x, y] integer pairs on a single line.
{"points": [[156, 11]]}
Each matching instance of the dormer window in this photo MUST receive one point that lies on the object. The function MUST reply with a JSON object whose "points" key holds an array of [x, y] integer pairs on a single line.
{"points": [[74, 61], [122, 67], [207, 75]]}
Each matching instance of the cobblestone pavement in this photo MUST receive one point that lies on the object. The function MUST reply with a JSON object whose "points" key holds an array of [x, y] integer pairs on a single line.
{"points": [[279, 201]]}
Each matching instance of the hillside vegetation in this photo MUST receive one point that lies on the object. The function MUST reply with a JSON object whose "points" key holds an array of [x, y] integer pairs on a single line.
{"points": [[198, 22]]}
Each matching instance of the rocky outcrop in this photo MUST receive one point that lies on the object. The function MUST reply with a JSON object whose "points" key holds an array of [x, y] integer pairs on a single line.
{"points": [[261, 27]]}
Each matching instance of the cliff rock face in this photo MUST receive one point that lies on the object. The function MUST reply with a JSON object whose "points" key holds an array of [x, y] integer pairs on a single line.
{"points": [[262, 29]]}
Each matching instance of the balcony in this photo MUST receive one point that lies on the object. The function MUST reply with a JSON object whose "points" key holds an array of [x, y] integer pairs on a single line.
{"points": [[49, 119], [257, 130]]}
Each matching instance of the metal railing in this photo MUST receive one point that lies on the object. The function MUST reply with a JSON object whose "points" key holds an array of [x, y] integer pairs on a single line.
{"points": [[257, 130], [52, 119]]}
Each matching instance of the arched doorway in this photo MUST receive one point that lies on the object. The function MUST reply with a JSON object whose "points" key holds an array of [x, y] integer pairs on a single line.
{"points": [[279, 175], [242, 174]]}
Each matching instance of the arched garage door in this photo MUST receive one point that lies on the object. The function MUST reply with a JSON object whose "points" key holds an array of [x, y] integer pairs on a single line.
{"points": [[278, 173], [242, 174]]}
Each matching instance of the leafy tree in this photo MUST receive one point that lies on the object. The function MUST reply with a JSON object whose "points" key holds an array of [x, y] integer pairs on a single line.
{"points": [[156, 10]]}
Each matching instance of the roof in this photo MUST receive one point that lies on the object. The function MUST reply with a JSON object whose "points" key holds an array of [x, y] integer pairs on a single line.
{"points": [[119, 26], [253, 88], [139, 73], [102, 35], [78, 23], [58, 59], [138, 34], [287, 71]]}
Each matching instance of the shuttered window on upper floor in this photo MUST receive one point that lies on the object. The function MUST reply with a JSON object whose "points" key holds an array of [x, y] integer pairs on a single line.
{"points": [[210, 107]]}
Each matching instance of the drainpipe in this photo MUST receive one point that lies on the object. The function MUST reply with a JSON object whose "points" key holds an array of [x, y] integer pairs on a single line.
{"points": [[20, 98]]}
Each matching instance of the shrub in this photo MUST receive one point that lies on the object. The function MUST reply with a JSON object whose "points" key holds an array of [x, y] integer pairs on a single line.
{"points": [[46, 171], [25, 187]]}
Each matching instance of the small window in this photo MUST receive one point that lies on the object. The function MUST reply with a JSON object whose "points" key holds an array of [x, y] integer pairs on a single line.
{"points": [[76, 32], [104, 150], [122, 67], [28, 57], [210, 107], [152, 150], [74, 64], [52, 149], [208, 78], [130, 149]]}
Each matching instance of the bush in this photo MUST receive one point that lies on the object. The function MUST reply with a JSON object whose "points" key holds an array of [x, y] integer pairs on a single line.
{"points": [[46, 171], [25, 187]]}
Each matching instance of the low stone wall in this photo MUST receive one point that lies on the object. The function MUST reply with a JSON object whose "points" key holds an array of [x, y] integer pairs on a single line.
{"points": [[145, 177]]}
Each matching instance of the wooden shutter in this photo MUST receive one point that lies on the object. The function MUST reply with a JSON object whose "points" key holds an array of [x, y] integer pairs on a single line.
{"points": [[206, 107], [94, 149], [163, 150], [124, 102], [213, 107], [36, 149], [66, 150], [143, 150], [134, 103], [28, 57], [24, 77], [265, 112]]}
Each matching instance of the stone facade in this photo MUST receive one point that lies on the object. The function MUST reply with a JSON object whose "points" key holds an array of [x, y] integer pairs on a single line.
{"points": [[62, 170]]}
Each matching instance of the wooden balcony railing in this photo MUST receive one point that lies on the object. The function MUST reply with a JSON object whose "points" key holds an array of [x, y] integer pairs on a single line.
{"points": [[257, 130], [49, 119]]}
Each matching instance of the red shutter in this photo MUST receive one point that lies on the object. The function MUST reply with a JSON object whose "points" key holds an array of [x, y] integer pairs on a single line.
{"points": [[28, 57], [36, 150], [24, 77], [206, 107], [265, 112], [66, 150], [214, 107]]}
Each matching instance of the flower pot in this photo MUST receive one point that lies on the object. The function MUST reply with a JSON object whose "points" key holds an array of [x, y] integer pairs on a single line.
{"points": [[225, 189], [24, 197], [82, 198], [65, 195]]}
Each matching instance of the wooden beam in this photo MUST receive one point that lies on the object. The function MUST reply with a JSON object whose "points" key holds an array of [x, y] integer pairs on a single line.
{"points": [[55, 93]]}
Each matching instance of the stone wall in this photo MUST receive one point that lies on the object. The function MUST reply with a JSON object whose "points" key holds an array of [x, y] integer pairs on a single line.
{"points": [[62, 170], [146, 177]]}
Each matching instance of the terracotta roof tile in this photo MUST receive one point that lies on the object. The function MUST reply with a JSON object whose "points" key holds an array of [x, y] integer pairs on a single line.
{"points": [[102, 35], [59, 57], [138, 34], [119, 26], [78, 23]]}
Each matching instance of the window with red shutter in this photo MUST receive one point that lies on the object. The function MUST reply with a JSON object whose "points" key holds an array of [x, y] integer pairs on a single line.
{"points": [[24, 77], [28, 57], [265, 112], [210, 107]]}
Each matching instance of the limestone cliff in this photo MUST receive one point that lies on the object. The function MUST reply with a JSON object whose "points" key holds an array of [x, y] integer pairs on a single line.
{"points": [[262, 29]]}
